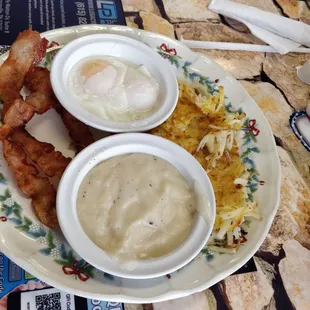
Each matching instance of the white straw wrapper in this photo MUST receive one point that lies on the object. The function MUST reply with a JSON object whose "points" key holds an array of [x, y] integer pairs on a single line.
{"points": [[237, 46], [282, 33]]}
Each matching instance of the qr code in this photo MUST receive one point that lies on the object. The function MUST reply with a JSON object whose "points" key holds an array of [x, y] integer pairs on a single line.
{"points": [[48, 302]]}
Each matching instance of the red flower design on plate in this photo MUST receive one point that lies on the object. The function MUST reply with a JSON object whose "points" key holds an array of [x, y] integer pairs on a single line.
{"points": [[252, 128], [166, 49], [73, 270], [53, 44]]}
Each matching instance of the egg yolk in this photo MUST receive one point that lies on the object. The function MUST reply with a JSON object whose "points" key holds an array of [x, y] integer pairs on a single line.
{"points": [[93, 67]]}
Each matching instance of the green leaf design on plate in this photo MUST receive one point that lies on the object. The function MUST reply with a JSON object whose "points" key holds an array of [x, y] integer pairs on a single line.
{"points": [[193, 76], [89, 270], [8, 211], [249, 162], [46, 251], [207, 83], [63, 253], [37, 234], [80, 263], [50, 240], [61, 262], [2, 179], [208, 254], [248, 138], [250, 197], [70, 257], [27, 221], [17, 213], [16, 221], [185, 68], [48, 58], [25, 224], [23, 228], [249, 151], [6, 195]]}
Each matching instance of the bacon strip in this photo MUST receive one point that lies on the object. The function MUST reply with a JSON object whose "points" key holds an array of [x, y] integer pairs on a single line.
{"points": [[27, 50], [42, 97], [38, 188], [50, 162], [18, 114], [78, 131]]}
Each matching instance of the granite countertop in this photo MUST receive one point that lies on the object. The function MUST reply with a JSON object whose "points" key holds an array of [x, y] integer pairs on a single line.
{"points": [[282, 279]]}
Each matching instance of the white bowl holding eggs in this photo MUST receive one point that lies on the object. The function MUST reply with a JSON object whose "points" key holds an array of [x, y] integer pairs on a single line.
{"points": [[132, 78], [129, 143]]}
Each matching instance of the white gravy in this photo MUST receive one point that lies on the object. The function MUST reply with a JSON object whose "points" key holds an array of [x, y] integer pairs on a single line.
{"points": [[136, 206]]}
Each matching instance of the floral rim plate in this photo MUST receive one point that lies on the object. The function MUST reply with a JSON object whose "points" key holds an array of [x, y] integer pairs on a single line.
{"points": [[45, 253]]}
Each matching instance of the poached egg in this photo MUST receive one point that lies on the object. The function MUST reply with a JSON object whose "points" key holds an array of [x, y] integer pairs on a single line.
{"points": [[113, 89]]}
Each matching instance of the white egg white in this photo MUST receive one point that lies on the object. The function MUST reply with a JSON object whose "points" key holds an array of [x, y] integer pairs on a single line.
{"points": [[117, 91], [141, 90]]}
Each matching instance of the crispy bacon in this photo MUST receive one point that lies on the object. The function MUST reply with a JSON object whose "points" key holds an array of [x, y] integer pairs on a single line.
{"points": [[78, 131], [38, 188], [16, 116], [27, 50], [50, 162], [42, 96]]}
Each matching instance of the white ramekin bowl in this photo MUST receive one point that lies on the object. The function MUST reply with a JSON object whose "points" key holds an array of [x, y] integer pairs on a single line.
{"points": [[123, 144], [128, 50]]}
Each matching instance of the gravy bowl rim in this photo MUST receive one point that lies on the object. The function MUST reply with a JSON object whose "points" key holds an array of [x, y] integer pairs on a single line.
{"points": [[121, 144]]}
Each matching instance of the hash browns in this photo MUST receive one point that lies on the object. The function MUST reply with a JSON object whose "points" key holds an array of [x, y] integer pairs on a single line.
{"points": [[202, 125]]}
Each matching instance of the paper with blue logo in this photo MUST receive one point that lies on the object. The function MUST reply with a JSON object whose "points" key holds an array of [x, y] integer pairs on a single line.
{"points": [[44, 15], [98, 305]]}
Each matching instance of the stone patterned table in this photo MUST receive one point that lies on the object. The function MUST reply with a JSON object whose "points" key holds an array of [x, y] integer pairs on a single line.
{"points": [[282, 279]]}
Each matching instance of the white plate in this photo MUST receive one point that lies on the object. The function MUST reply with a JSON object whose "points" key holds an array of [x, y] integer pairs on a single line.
{"points": [[45, 253]]}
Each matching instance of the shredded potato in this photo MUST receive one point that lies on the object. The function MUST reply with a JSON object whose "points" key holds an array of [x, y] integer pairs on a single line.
{"points": [[202, 125]]}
